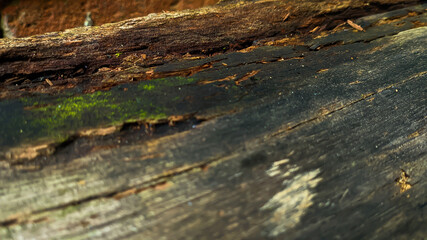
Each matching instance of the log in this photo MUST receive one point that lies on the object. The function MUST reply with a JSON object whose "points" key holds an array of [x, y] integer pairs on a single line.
{"points": [[245, 120]]}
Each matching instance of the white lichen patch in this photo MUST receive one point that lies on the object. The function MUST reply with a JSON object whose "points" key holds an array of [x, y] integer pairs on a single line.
{"points": [[291, 203], [275, 168], [278, 168]]}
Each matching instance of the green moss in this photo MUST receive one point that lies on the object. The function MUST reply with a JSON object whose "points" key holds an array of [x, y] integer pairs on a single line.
{"points": [[56, 118], [93, 109], [185, 80], [73, 107], [166, 82], [148, 87]]}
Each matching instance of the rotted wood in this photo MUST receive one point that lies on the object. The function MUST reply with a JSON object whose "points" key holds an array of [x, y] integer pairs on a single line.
{"points": [[262, 120]]}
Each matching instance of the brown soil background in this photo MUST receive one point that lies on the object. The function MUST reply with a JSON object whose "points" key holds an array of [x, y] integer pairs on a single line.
{"points": [[32, 17]]}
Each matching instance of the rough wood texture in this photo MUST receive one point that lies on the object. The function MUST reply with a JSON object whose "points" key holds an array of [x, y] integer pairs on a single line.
{"points": [[318, 135], [204, 30]]}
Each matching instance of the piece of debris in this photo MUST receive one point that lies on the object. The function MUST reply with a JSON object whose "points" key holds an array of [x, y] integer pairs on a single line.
{"points": [[7, 31], [49, 82], [314, 29], [175, 118], [286, 16], [355, 26], [322, 70], [88, 20], [402, 181]]}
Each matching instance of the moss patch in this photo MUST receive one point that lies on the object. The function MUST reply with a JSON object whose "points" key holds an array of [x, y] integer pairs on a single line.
{"points": [[56, 118]]}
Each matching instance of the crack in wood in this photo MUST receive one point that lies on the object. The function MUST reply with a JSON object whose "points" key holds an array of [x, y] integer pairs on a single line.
{"points": [[325, 112], [182, 73], [246, 77], [156, 183], [29, 154]]}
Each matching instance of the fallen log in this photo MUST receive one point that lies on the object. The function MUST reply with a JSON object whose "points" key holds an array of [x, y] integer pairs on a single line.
{"points": [[265, 119]]}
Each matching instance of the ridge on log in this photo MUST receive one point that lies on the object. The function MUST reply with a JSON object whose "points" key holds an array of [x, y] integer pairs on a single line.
{"points": [[245, 120]]}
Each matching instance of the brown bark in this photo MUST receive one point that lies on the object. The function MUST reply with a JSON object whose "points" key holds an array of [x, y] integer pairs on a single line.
{"points": [[204, 31]]}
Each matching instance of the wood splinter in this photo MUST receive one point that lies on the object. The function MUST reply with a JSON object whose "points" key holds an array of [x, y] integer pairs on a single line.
{"points": [[355, 26]]}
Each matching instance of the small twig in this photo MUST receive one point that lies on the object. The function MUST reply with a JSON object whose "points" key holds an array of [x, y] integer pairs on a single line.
{"points": [[49, 82], [355, 26], [286, 16]]}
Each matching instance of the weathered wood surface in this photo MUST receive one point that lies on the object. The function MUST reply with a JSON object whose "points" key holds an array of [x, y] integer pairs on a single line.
{"points": [[294, 142]]}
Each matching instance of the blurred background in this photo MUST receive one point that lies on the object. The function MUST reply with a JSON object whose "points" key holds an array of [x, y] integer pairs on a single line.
{"points": [[21, 18]]}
